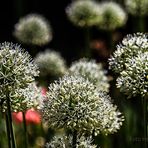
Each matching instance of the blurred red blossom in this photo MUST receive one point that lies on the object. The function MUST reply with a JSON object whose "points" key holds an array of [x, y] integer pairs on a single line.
{"points": [[100, 48], [31, 116], [44, 91]]}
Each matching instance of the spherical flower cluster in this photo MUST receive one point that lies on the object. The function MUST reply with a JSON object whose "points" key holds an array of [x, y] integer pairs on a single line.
{"points": [[32, 97], [130, 47], [84, 13], [76, 104], [17, 71], [60, 142], [31, 116], [33, 29], [111, 119], [134, 80], [50, 63], [137, 7], [84, 142], [25, 98], [130, 61], [66, 142], [91, 71], [113, 16]]}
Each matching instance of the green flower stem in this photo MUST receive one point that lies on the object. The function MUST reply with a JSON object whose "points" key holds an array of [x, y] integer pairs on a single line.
{"points": [[140, 27], [8, 131], [25, 130], [145, 120], [141, 24], [87, 52], [10, 121], [111, 43], [74, 140]]}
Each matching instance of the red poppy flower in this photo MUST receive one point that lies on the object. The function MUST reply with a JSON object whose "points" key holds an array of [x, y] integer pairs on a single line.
{"points": [[31, 116], [17, 117]]}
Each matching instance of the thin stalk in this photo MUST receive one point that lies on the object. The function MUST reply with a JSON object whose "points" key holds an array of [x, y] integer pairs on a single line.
{"points": [[25, 130], [141, 20], [10, 121], [141, 24], [74, 140], [87, 51], [110, 41], [145, 121], [8, 131]]}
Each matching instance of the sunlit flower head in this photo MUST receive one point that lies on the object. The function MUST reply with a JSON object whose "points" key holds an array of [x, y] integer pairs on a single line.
{"points": [[17, 71], [33, 29], [76, 104], [50, 63], [84, 13], [137, 7], [92, 71], [134, 80], [113, 16]]}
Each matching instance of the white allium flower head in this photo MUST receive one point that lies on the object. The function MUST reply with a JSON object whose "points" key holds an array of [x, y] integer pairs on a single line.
{"points": [[137, 7], [32, 95], [134, 80], [85, 142], [59, 142], [131, 62], [113, 16], [92, 71], [111, 119], [131, 46], [66, 142], [33, 29], [25, 98], [17, 70], [50, 63], [84, 13], [76, 104]]}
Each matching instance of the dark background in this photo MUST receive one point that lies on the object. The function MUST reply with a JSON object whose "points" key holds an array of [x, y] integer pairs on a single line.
{"points": [[65, 35], [69, 41], [67, 38]]}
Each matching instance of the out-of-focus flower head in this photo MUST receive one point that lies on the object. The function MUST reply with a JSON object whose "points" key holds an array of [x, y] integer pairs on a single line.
{"points": [[31, 116], [17, 71], [137, 7], [66, 142], [91, 71], [76, 104], [134, 80], [50, 63], [113, 16], [130, 47], [33, 29], [84, 13]]}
